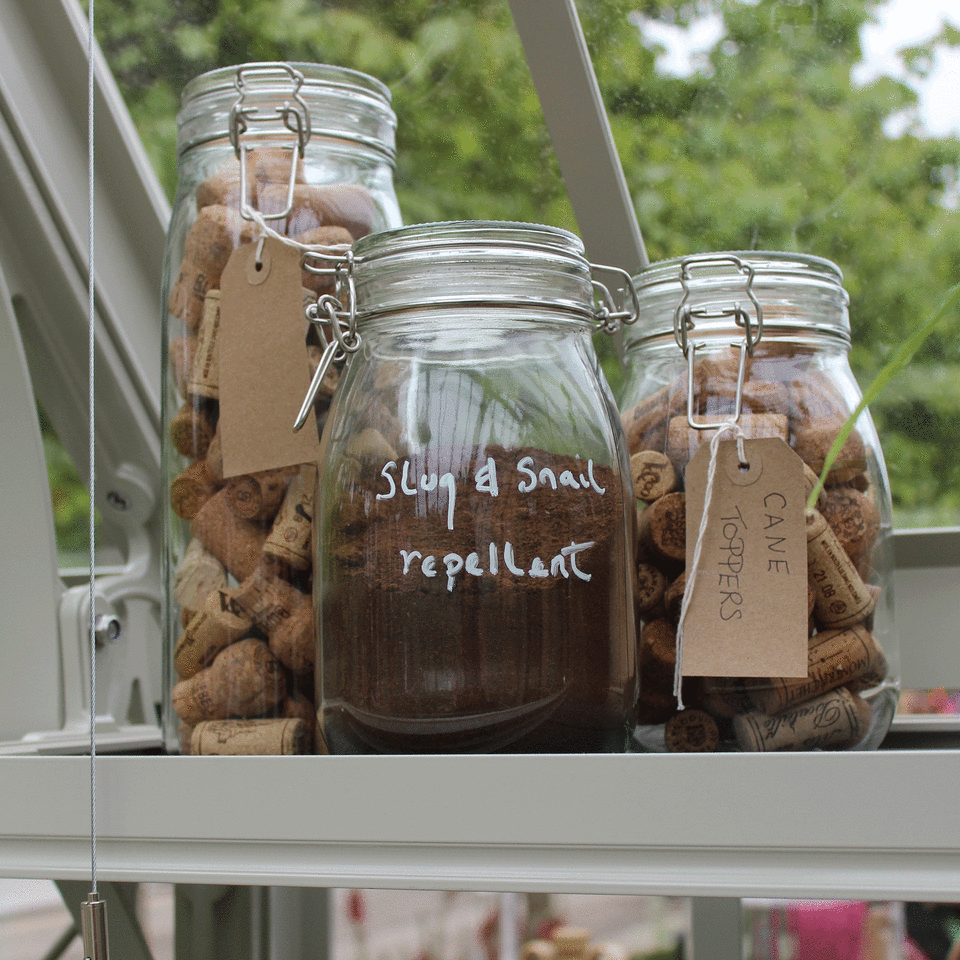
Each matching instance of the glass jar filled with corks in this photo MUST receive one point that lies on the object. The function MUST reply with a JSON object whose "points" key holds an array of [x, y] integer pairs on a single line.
{"points": [[764, 602], [274, 160], [474, 509]]}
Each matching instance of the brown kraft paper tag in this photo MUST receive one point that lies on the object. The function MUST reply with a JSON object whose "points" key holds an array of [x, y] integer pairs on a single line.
{"points": [[264, 374], [747, 616]]}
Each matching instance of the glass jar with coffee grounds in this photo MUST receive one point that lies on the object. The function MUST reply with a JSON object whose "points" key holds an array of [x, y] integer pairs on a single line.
{"points": [[273, 158], [474, 511], [759, 340]]}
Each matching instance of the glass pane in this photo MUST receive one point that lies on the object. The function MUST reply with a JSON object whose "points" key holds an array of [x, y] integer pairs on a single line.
{"points": [[789, 126], [757, 124], [71, 503]]}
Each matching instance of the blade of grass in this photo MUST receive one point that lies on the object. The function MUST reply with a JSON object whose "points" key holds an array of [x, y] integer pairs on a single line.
{"points": [[891, 368]]}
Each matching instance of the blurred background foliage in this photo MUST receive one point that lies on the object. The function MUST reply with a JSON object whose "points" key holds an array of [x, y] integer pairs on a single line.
{"points": [[768, 143]]}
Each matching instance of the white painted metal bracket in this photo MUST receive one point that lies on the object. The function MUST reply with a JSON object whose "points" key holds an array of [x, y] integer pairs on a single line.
{"points": [[43, 314], [566, 84]]}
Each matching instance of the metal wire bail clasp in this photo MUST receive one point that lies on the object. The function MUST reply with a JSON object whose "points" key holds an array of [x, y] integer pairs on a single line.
{"points": [[610, 314], [295, 115], [331, 311], [684, 322]]}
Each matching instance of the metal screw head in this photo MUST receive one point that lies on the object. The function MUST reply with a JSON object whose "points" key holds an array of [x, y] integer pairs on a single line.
{"points": [[106, 629]]}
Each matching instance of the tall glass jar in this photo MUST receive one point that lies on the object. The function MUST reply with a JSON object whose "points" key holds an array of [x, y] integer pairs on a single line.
{"points": [[303, 152], [785, 317], [474, 510]]}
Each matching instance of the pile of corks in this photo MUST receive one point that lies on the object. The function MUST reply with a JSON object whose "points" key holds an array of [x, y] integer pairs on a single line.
{"points": [[824, 710], [245, 657]]}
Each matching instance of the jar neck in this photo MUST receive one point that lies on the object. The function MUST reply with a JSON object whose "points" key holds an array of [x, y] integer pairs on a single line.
{"points": [[271, 101], [782, 296], [474, 266], [773, 342]]}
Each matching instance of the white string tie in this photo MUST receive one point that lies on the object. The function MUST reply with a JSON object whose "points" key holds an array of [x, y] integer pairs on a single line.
{"points": [[267, 231], [730, 427]]}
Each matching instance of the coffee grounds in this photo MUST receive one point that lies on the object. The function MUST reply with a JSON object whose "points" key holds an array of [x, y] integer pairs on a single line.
{"points": [[453, 619]]}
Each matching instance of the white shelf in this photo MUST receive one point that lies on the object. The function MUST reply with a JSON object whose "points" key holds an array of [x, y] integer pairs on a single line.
{"points": [[877, 825]]}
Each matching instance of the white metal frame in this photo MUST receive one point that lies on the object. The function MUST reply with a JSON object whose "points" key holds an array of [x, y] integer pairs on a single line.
{"points": [[44, 329], [876, 825]]}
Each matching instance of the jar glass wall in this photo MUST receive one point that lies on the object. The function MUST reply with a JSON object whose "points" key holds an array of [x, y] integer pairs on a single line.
{"points": [[474, 508], [797, 386], [305, 151]]}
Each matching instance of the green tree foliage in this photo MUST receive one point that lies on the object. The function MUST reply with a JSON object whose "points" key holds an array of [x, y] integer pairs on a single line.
{"points": [[768, 145]]}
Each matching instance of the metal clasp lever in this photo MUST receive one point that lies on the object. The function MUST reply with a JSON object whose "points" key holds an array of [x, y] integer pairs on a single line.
{"points": [[683, 317], [295, 117], [341, 319], [683, 324], [93, 924], [738, 404], [610, 314]]}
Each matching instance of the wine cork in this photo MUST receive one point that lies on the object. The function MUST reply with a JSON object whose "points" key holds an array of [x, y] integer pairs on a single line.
{"points": [[757, 396], [834, 658], [833, 721], [263, 165], [198, 574], [215, 234], [214, 458], [725, 698], [876, 672], [855, 519], [244, 680], [683, 441], [289, 541], [219, 622], [860, 481], [269, 600], [765, 396], [236, 543], [257, 496], [261, 737], [298, 706], [191, 490], [649, 583], [370, 444], [658, 650], [182, 351], [302, 706], [204, 378], [812, 440], [538, 950], [692, 731], [673, 597], [294, 640], [842, 598], [184, 733], [810, 480], [816, 396], [350, 206], [191, 429], [645, 423], [663, 527], [653, 475]]}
